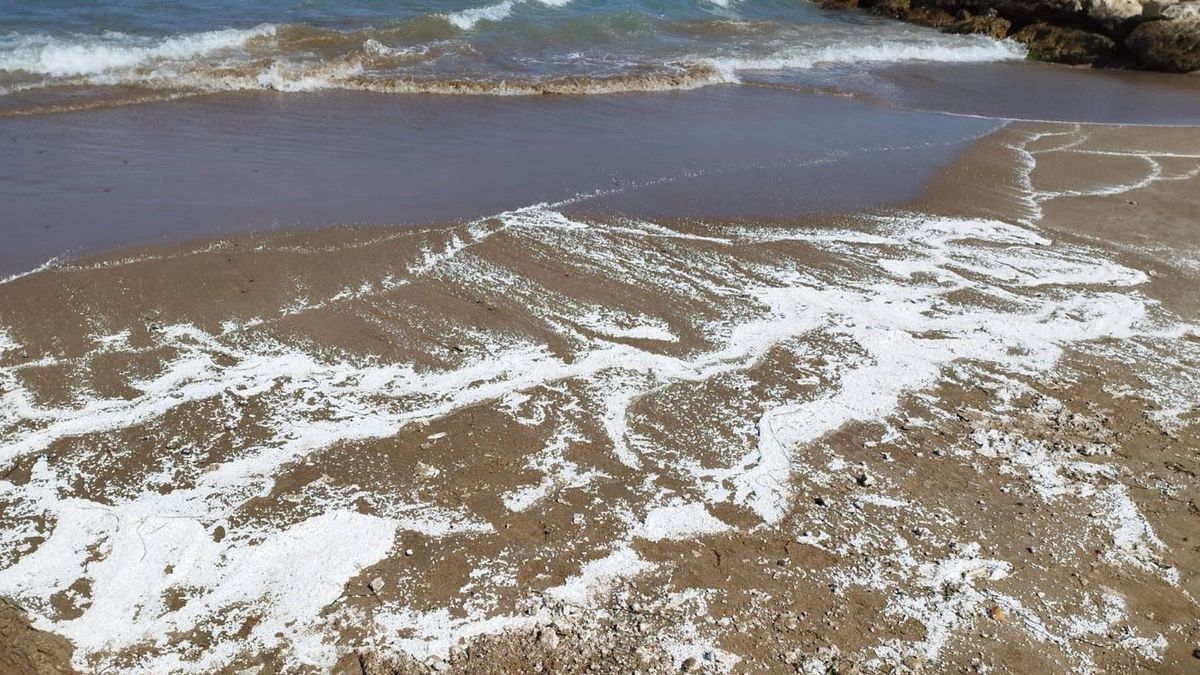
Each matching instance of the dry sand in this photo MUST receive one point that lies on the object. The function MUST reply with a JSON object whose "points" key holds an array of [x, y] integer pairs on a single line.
{"points": [[957, 436]]}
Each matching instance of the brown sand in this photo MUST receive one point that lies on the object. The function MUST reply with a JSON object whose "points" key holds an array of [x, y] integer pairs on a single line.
{"points": [[992, 520]]}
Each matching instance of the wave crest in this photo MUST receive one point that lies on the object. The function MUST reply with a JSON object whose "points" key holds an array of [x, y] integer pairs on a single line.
{"points": [[53, 72], [95, 55], [467, 18]]}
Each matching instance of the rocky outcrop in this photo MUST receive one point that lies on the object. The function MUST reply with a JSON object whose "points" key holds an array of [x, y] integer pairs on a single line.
{"points": [[1149, 34], [1173, 46], [992, 26], [1066, 45]]}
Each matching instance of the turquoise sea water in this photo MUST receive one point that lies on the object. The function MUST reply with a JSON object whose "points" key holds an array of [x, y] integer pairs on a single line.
{"points": [[64, 53]]}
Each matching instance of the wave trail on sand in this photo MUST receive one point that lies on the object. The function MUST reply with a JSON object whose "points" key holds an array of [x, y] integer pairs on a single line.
{"points": [[666, 382]]}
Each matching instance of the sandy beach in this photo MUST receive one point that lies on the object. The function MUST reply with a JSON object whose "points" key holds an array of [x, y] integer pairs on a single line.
{"points": [[564, 336], [949, 427]]}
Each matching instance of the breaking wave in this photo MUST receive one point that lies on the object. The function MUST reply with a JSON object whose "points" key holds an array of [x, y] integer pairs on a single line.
{"points": [[467, 18], [115, 52], [454, 53]]}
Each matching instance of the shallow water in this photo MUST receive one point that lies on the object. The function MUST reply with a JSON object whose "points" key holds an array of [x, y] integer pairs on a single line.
{"points": [[86, 182]]}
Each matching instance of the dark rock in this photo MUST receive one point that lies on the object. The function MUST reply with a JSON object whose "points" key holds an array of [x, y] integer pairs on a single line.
{"points": [[1066, 13], [928, 16], [1173, 46], [1066, 45], [994, 27], [1149, 34], [896, 9]]}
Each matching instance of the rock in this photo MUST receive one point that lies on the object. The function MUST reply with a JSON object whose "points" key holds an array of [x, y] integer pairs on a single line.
{"points": [[1173, 46], [994, 27], [997, 613], [375, 585], [934, 18], [1153, 9], [1109, 33], [1181, 11], [690, 665], [1065, 45], [549, 638], [896, 9], [1113, 12]]}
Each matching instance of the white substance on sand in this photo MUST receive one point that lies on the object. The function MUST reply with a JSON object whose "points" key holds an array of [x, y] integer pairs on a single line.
{"points": [[679, 521], [597, 576], [919, 297]]}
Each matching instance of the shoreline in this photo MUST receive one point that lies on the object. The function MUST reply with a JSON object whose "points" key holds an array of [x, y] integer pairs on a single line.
{"points": [[105, 179]]}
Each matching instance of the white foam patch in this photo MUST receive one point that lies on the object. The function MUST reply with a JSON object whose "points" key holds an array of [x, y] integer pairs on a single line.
{"points": [[148, 547], [679, 521], [598, 576], [431, 634], [615, 325], [7, 343]]}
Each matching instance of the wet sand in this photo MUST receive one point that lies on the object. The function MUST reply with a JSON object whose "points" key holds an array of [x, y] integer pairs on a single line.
{"points": [[952, 428]]}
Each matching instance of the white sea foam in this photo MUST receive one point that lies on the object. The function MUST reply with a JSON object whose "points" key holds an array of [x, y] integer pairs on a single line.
{"points": [[956, 49], [258, 58], [113, 52], [7, 343], [597, 576], [679, 521], [466, 19]]}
